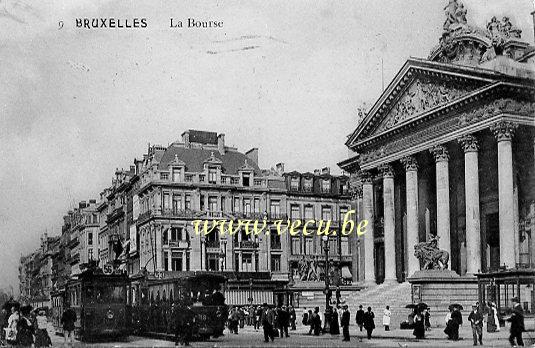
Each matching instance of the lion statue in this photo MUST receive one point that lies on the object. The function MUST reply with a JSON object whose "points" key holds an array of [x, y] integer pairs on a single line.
{"points": [[432, 256]]}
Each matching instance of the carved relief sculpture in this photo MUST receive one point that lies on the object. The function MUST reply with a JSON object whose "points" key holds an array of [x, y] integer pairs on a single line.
{"points": [[431, 255]]}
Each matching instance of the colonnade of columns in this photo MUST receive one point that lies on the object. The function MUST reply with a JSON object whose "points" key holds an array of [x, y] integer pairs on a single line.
{"points": [[504, 132]]}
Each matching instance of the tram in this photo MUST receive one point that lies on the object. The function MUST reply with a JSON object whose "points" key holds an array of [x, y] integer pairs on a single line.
{"points": [[153, 312], [100, 303]]}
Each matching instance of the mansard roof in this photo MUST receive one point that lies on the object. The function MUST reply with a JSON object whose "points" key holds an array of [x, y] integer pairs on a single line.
{"points": [[194, 158]]}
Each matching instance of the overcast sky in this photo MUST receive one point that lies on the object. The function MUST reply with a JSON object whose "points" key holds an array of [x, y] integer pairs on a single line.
{"points": [[75, 104]]}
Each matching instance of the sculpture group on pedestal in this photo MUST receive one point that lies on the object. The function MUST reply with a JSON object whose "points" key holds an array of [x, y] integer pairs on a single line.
{"points": [[431, 255]]}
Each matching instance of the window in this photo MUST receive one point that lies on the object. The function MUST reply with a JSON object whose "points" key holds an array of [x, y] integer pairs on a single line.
{"points": [[247, 263], [309, 246], [212, 262], [223, 203], [345, 246], [275, 207], [176, 261], [95, 218], [89, 254], [166, 201], [236, 204], [166, 261], [212, 203], [326, 213], [295, 212], [326, 186], [294, 184], [257, 205], [275, 240], [275, 263], [176, 174], [247, 206], [246, 179], [164, 176], [296, 246], [187, 201], [202, 203], [343, 212], [307, 185], [309, 212], [175, 234], [212, 175], [90, 238], [177, 203]]}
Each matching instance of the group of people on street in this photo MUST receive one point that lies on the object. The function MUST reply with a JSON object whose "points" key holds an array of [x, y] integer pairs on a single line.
{"points": [[23, 327], [285, 319]]}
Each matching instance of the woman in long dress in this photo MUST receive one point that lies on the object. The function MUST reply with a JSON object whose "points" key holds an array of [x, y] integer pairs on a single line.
{"points": [[419, 327], [386, 318], [493, 324]]}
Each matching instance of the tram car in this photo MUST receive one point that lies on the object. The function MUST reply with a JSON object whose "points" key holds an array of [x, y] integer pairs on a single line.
{"points": [[158, 299], [100, 303]]}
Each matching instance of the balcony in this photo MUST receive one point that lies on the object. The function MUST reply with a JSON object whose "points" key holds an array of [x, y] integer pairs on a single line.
{"points": [[117, 213], [276, 246], [179, 213], [248, 244], [212, 243], [74, 243], [278, 216], [188, 177]]}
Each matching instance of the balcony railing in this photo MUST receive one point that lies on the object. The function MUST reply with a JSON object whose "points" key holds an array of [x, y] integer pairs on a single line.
{"points": [[248, 244], [213, 243], [276, 246], [278, 216]]}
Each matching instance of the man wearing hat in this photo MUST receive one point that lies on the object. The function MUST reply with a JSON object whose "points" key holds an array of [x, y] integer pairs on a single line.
{"points": [[476, 320], [268, 320], [346, 317], [517, 323]]}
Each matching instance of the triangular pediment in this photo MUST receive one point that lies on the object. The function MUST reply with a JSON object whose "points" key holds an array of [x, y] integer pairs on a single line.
{"points": [[422, 95], [419, 87]]}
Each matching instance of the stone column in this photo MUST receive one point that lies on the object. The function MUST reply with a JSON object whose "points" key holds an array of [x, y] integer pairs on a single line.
{"points": [[368, 214], [355, 253], [443, 198], [504, 132], [471, 186], [411, 177], [389, 223]]}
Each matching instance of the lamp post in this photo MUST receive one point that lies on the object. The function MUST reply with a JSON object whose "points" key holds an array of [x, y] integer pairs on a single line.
{"points": [[328, 312]]}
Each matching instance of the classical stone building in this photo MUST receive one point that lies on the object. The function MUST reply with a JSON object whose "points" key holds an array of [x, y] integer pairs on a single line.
{"points": [[448, 150]]}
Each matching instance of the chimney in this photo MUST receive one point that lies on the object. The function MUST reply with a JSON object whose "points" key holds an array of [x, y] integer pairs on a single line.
{"points": [[221, 143], [280, 168], [81, 205], [185, 138], [317, 172], [253, 155], [133, 169], [92, 201], [326, 170]]}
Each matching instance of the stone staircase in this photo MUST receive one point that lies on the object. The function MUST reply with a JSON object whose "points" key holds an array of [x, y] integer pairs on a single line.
{"points": [[397, 296]]}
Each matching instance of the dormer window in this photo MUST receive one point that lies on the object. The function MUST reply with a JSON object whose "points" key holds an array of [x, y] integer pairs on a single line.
{"points": [[326, 186], [212, 175], [294, 184], [246, 179], [176, 174], [307, 185]]}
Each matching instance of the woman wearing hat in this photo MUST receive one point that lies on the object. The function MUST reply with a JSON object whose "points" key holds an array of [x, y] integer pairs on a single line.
{"points": [[25, 329], [41, 334]]}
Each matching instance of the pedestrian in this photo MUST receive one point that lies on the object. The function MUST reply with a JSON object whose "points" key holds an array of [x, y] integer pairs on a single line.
{"points": [[517, 323], [335, 327], [316, 321], [369, 323], [234, 320], [476, 321], [25, 329], [427, 319], [68, 318], [42, 339], [258, 315], [310, 321], [293, 317], [346, 318], [11, 332], [184, 324], [386, 318], [268, 319], [493, 324], [419, 326], [284, 321], [241, 317], [338, 295], [359, 317], [456, 321]]}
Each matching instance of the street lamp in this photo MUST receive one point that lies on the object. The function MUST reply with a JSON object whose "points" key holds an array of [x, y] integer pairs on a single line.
{"points": [[328, 311]]}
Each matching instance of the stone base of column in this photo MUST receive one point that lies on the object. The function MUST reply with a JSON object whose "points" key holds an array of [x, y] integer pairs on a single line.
{"points": [[370, 283], [390, 282]]}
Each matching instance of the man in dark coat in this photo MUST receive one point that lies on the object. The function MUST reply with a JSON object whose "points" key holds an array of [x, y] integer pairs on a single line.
{"points": [[517, 323], [67, 321], [293, 317], [369, 323], [456, 321], [284, 321], [360, 317], [185, 319], [346, 318], [476, 320], [268, 319]]}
